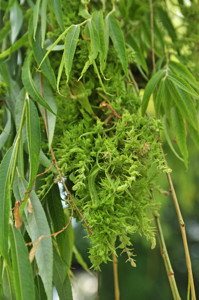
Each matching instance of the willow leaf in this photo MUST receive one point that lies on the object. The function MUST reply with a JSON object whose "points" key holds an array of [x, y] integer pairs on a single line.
{"points": [[165, 20], [16, 19], [183, 85], [37, 225], [184, 103], [43, 21], [5, 30], [99, 24], [183, 71], [150, 88], [139, 57], [61, 66], [94, 45], [194, 134], [35, 17], [160, 96], [118, 42], [17, 45], [179, 129], [166, 132], [58, 13], [6, 131], [80, 260], [71, 40], [30, 86], [23, 276], [5, 199], [33, 135], [39, 54], [8, 283]]}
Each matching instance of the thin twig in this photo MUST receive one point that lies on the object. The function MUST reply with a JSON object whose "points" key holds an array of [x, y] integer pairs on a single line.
{"points": [[98, 286], [56, 164], [116, 281]]}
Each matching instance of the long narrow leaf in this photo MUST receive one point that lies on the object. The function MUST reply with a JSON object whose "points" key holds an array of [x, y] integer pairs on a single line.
{"points": [[30, 86], [139, 57], [159, 97], [43, 21], [35, 17], [118, 42], [33, 134], [71, 40], [6, 131], [17, 45], [58, 12], [179, 129], [5, 199], [23, 277], [183, 85], [150, 88], [16, 19], [37, 226], [194, 134]]}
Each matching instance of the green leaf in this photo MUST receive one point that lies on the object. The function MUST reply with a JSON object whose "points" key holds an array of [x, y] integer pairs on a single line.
{"points": [[118, 42], [60, 277], [194, 134], [59, 220], [30, 86], [94, 45], [80, 260], [6, 131], [19, 108], [33, 135], [5, 30], [179, 129], [166, 132], [97, 18], [58, 12], [150, 88], [23, 277], [184, 103], [8, 283], [39, 54], [5, 199], [71, 40], [37, 225], [35, 17], [44, 161], [39, 289], [16, 19], [139, 57], [165, 20], [159, 97], [181, 70], [183, 85], [17, 45], [106, 32], [79, 92], [61, 66], [43, 22]]}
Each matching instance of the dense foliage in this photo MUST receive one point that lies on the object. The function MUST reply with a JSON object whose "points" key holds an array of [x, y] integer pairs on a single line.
{"points": [[76, 82]]}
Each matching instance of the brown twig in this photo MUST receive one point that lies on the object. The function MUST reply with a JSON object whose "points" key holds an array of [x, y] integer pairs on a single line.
{"points": [[105, 104], [56, 164], [116, 281]]}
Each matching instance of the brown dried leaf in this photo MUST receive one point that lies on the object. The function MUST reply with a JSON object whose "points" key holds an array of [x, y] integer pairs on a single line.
{"points": [[17, 217], [33, 251], [30, 206]]}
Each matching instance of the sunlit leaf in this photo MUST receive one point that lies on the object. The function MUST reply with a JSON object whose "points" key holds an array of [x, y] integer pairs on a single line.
{"points": [[33, 134], [118, 42], [23, 279], [71, 40], [165, 20], [150, 88], [179, 128], [16, 19], [29, 84], [182, 84], [35, 17], [58, 12]]}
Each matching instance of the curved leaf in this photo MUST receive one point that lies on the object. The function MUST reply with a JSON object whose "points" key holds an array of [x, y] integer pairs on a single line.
{"points": [[30, 86], [150, 88], [179, 129], [118, 42], [37, 226], [16, 19], [5, 199], [139, 57], [183, 85], [6, 131], [58, 12], [23, 277], [35, 17], [33, 135], [71, 40], [39, 54]]}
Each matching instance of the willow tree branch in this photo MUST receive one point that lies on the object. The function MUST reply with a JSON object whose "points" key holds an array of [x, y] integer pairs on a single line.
{"points": [[116, 281]]}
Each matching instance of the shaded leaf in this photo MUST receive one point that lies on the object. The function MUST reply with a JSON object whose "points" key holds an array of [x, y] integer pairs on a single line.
{"points": [[30, 86], [59, 220], [165, 20], [71, 40], [60, 277], [80, 260], [139, 57], [79, 92], [58, 12], [118, 42], [35, 17], [194, 134], [33, 135], [39, 54], [5, 30], [179, 129], [8, 283], [16, 19], [23, 279], [159, 97], [40, 289], [6, 131], [150, 88], [43, 22], [37, 226], [17, 45], [5, 198]]}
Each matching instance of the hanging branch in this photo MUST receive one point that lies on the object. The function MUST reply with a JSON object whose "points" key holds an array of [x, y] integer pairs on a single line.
{"points": [[172, 190]]}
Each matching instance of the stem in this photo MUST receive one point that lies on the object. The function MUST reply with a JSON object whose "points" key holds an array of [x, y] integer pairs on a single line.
{"points": [[184, 237], [165, 257], [116, 281], [98, 287]]}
